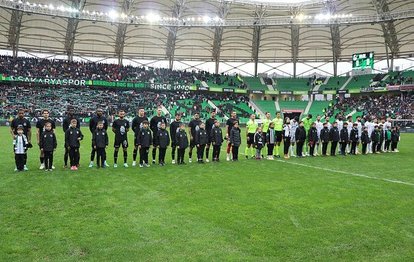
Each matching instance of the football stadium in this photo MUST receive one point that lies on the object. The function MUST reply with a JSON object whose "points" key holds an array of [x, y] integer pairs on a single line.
{"points": [[214, 130]]}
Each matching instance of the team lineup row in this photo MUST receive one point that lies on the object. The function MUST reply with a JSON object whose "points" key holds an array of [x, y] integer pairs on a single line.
{"points": [[307, 135]]}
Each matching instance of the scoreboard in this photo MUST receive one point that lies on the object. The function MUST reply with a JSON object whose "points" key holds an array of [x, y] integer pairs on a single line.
{"points": [[363, 60]]}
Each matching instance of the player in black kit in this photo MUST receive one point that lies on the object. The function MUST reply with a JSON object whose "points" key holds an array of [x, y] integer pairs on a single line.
{"points": [[155, 125], [121, 127]]}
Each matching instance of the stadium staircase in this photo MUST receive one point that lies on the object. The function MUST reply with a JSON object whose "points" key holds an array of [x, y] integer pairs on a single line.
{"points": [[308, 107], [346, 83], [277, 105], [316, 88], [255, 107]]}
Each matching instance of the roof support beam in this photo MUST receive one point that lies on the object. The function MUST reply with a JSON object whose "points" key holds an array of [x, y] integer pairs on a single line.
{"points": [[120, 34], [177, 12], [71, 29], [14, 31], [257, 32], [223, 10], [390, 33]]}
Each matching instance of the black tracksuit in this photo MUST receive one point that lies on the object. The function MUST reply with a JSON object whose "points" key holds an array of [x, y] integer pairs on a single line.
{"points": [[100, 142], [174, 128], [136, 126], [65, 126], [163, 141], [93, 125], [235, 140], [375, 136], [201, 140], [312, 139], [72, 137], [144, 140], [382, 138], [334, 137], [344, 140], [395, 138], [324, 136], [300, 136], [181, 140], [155, 125], [365, 140], [354, 140], [216, 138], [48, 143]]}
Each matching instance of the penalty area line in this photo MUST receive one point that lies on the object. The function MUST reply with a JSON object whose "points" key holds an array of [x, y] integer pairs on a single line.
{"points": [[348, 173]]}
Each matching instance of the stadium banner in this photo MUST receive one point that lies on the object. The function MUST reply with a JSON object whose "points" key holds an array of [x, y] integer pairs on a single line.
{"points": [[407, 88], [47, 81], [342, 91], [228, 90], [286, 92], [260, 92], [170, 87], [240, 91], [329, 92], [318, 92], [271, 92], [354, 91], [203, 88], [300, 92], [216, 89], [393, 87]]}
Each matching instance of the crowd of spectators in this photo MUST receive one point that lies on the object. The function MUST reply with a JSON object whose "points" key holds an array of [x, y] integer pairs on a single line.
{"points": [[394, 106], [85, 101], [63, 69]]}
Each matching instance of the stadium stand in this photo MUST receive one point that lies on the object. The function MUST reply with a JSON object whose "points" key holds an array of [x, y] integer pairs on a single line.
{"points": [[319, 107], [359, 82], [266, 106], [254, 83], [293, 84], [293, 105], [334, 83]]}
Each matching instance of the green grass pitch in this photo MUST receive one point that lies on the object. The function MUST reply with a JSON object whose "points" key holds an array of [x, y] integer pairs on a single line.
{"points": [[354, 208]]}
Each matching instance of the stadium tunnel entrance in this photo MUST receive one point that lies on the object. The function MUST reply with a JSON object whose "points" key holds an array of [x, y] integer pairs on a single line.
{"points": [[292, 114]]}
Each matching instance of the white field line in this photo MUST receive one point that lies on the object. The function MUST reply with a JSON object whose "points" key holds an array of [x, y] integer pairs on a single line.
{"points": [[348, 173], [340, 172]]}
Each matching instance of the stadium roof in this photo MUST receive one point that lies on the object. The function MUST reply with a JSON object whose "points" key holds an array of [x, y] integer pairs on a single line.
{"points": [[236, 30]]}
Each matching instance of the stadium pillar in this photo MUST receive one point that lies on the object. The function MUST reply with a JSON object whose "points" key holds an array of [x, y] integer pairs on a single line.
{"points": [[257, 32], [121, 32], [177, 11], [223, 10], [71, 29], [295, 46], [390, 33], [14, 31]]}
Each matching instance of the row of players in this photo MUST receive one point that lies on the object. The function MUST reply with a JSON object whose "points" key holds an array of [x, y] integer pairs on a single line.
{"points": [[202, 135], [322, 131]]}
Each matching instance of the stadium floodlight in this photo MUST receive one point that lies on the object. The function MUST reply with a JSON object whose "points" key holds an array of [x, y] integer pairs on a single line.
{"points": [[51, 7], [206, 19], [152, 18], [113, 14]]}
